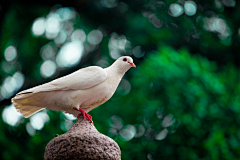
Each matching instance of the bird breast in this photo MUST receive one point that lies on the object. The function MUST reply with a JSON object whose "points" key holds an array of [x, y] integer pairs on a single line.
{"points": [[91, 98]]}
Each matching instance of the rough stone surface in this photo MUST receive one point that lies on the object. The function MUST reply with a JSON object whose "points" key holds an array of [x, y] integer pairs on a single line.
{"points": [[82, 141]]}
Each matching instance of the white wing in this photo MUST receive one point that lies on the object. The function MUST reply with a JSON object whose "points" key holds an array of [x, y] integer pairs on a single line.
{"points": [[82, 79]]}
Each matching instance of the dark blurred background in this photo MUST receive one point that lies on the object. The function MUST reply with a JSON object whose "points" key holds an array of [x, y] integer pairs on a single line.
{"points": [[181, 102]]}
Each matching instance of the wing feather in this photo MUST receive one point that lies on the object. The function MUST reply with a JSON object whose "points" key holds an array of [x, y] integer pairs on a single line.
{"points": [[80, 80]]}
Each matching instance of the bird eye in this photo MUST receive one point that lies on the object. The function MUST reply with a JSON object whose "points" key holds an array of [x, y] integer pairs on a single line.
{"points": [[124, 59]]}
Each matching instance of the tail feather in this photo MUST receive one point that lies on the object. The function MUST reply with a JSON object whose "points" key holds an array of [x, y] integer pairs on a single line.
{"points": [[27, 114], [27, 104], [27, 111], [28, 99], [23, 96]]}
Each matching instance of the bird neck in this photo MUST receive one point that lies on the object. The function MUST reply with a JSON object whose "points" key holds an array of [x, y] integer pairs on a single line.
{"points": [[119, 69]]}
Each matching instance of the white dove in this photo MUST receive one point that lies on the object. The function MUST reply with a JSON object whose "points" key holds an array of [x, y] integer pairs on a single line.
{"points": [[82, 90]]}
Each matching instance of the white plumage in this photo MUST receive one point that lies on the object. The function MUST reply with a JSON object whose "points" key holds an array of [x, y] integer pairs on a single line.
{"points": [[84, 90]]}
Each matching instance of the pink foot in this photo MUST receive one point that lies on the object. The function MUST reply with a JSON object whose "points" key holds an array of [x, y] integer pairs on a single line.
{"points": [[82, 112]]}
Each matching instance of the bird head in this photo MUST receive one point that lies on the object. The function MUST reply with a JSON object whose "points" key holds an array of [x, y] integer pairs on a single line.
{"points": [[124, 63]]}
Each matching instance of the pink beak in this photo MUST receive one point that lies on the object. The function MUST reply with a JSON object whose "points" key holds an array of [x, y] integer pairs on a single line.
{"points": [[132, 64]]}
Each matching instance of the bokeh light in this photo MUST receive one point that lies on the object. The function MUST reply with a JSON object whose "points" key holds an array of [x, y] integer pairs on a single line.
{"points": [[102, 63], [116, 122], [53, 24], [124, 87], [38, 27], [48, 68], [70, 54], [12, 84], [155, 20], [38, 120], [68, 121], [66, 125], [11, 116], [127, 132], [140, 130], [109, 3], [69, 116], [61, 38], [57, 25], [118, 45], [190, 8], [31, 131], [6, 67], [78, 35], [215, 24], [66, 13], [161, 135], [168, 120], [122, 7], [137, 52], [10, 53], [219, 25], [229, 3], [176, 10], [95, 37], [48, 52]]}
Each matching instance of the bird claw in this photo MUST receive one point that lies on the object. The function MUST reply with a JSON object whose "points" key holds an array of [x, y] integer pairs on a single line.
{"points": [[84, 114]]}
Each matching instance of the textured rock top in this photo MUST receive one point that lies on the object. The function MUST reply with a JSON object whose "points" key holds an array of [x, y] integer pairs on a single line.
{"points": [[82, 141]]}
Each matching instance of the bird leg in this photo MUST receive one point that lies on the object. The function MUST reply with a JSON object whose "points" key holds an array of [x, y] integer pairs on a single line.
{"points": [[82, 112]]}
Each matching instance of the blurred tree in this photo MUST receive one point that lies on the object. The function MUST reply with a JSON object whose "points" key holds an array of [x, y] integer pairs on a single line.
{"points": [[201, 102], [181, 102]]}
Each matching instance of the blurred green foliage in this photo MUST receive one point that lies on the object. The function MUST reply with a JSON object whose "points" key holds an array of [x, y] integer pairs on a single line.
{"points": [[200, 98], [181, 102]]}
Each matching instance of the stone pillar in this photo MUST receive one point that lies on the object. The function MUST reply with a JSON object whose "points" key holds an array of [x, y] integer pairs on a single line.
{"points": [[82, 141]]}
